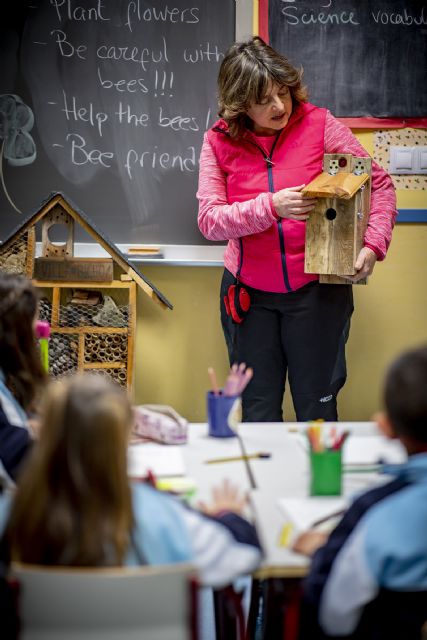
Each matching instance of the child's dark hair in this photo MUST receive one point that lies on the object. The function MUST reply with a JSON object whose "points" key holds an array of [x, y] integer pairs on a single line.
{"points": [[405, 394], [19, 357]]}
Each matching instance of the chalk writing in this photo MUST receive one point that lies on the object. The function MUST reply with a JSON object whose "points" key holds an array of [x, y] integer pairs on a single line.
{"points": [[294, 16], [84, 114], [136, 12], [122, 85], [404, 17], [66, 48], [208, 53], [160, 159], [67, 9], [80, 155], [125, 115], [134, 54], [122, 93]]}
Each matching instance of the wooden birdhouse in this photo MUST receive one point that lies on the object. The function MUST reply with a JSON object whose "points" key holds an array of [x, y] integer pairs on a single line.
{"points": [[90, 303], [336, 227]]}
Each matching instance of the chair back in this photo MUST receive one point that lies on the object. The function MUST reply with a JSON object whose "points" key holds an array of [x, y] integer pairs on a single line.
{"points": [[144, 603]]}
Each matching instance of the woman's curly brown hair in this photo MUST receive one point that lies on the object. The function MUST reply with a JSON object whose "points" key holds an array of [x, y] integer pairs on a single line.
{"points": [[245, 77]]}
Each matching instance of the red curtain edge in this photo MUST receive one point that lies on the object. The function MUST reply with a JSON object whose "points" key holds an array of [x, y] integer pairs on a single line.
{"points": [[263, 19]]}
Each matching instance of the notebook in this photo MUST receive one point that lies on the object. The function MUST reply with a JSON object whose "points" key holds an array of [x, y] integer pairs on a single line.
{"points": [[163, 460], [359, 450]]}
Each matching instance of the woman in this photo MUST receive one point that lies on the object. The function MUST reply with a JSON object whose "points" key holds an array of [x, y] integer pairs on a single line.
{"points": [[74, 505], [254, 162], [21, 372]]}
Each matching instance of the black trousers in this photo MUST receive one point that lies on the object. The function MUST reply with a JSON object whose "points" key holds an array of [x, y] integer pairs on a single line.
{"points": [[300, 335]]}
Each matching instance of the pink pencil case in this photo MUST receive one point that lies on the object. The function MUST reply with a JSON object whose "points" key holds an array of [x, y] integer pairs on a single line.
{"points": [[160, 423]]}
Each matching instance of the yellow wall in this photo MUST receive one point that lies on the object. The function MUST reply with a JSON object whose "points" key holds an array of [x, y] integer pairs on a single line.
{"points": [[174, 349]]}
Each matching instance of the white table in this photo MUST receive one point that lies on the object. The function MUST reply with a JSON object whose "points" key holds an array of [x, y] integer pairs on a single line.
{"points": [[285, 474]]}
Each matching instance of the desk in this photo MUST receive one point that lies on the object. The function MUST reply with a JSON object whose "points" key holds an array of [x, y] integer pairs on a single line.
{"points": [[285, 474]]}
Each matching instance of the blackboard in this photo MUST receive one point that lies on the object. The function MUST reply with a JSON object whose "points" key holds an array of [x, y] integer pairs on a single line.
{"points": [[360, 58], [107, 101]]}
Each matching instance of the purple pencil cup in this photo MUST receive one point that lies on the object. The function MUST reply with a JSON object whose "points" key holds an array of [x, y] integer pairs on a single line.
{"points": [[223, 414]]}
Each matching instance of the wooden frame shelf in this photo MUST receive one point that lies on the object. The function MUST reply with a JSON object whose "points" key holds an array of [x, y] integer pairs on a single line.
{"points": [[84, 331]]}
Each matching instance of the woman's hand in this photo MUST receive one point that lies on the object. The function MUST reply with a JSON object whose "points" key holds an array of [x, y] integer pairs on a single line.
{"points": [[309, 541], [290, 203], [364, 265], [226, 497]]}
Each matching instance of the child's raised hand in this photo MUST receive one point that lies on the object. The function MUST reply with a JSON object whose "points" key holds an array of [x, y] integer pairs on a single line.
{"points": [[226, 497]]}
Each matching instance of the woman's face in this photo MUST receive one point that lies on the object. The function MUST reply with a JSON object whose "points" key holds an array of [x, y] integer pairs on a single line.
{"points": [[273, 112]]}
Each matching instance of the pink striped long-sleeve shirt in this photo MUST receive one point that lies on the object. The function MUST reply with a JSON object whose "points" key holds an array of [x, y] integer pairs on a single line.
{"points": [[220, 221]]}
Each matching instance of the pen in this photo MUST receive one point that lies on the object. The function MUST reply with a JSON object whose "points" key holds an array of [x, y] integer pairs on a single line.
{"points": [[246, 461], [250, 456], [335, 514], [365, 467]]}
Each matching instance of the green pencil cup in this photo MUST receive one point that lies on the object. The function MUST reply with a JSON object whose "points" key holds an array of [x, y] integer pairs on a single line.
{"points": [[326, 473]]}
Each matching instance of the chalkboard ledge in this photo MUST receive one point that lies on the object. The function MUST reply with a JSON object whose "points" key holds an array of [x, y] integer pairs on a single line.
{"points": [[171, 254], [188, 255]]}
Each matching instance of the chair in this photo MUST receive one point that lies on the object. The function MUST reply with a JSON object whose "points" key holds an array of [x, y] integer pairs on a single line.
{"points": [[144, 603]]}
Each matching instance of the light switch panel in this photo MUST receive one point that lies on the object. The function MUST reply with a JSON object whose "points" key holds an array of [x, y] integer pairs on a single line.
{"points": [[421, 165], [408, 160]]}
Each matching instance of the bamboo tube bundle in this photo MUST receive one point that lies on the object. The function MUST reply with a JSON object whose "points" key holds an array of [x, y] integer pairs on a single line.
{"points": [[117, 375]]}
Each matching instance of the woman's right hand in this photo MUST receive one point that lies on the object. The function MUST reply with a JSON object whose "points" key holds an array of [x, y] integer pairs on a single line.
{"points": [[290, 203]]}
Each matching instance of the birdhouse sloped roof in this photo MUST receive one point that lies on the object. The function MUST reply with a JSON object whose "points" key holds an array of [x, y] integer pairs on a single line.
{"points": [[58, 198]]}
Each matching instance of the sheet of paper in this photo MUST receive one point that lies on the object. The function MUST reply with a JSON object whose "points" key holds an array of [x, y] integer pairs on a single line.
{"points": [[370, 449], [304, 512], [162, 459]]}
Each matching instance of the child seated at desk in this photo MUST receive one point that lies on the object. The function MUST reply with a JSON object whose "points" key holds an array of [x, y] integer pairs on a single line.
{"points": [[21, 371], [369, 579], [74, 505]]}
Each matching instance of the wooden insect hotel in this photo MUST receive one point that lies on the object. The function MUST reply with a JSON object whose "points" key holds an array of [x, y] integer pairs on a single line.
{"points": [[90, 303], [336, 227]]}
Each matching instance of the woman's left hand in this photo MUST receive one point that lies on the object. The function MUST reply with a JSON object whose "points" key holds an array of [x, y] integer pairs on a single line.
{"points": [[365, 264]]}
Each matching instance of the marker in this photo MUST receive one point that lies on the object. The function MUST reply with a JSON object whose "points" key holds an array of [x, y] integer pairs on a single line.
{"points": [[186, 486], [43, 333], [250, 456]]}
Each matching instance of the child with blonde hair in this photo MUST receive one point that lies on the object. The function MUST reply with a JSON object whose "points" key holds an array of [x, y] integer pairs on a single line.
{"points": [[74, 504]]}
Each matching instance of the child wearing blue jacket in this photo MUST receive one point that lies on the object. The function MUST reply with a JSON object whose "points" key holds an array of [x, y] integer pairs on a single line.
{"points": [[74, 504], [369, 579]]}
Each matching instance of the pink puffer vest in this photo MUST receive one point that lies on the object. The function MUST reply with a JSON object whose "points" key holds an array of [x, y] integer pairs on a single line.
{"points": [[274, 259]]}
